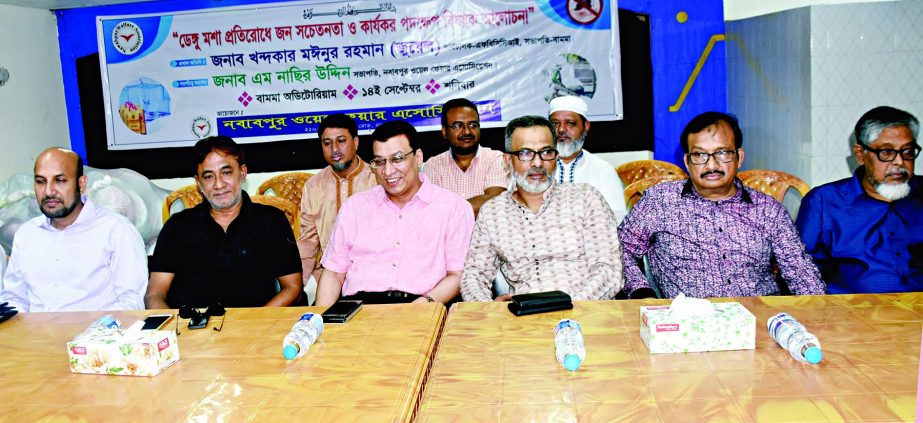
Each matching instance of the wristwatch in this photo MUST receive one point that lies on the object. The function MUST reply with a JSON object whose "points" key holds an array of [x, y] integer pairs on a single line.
{"points": [[428, 298]]}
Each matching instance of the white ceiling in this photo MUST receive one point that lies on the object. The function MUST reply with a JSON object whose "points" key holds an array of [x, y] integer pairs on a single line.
{"points": [[64, 4]]}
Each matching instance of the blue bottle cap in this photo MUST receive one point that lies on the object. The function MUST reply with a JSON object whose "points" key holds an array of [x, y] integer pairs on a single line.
{"points": [[571, 362], [813, 355], [290, 352]]}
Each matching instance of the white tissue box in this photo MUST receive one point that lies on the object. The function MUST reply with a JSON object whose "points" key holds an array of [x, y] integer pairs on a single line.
{"points": [[730, 327]]}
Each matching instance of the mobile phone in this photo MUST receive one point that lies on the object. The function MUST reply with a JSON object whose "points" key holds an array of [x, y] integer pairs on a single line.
{"points": [[156, 321], [341, 311]]}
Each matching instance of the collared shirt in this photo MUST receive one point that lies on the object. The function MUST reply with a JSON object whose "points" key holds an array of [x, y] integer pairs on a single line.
{"points": [[321, 199], [864, 245], [486, 170], [382, 247], [707, 248], [96, 263], [237, 268], [3, 259], [570, 244], [589, 169]]}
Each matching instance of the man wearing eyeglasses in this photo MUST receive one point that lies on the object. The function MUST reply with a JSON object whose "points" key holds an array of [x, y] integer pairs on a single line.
{"points": [[543, 236], [864, 232], [710, 236], [325, 193], [576, 165], [474, 172], [402, 241]]}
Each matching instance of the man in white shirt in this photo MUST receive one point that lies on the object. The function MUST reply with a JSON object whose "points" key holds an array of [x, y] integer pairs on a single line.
{"points": [[76, 257], [576, 165]]}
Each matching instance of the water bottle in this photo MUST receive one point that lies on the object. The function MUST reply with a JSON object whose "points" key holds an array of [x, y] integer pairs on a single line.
{"points": [[791, 335], [568, 344], [305, 331], [105, 325]]}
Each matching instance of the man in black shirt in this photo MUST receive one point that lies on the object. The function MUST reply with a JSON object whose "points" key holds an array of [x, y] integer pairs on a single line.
{"points": [[226, 250]]}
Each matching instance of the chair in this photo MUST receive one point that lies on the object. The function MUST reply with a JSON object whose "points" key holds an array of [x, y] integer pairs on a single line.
{"points": [[635, 190], [640, 169], [189, 194], [291, 210], [773, 182], [287, 185], [190, 197]]}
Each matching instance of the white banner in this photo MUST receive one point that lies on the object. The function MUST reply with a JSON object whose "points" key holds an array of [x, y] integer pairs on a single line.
{"points": [[272, 72]]}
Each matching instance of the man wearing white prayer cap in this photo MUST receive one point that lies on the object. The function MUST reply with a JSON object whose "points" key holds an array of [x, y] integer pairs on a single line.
{"points": [[576, 165]]}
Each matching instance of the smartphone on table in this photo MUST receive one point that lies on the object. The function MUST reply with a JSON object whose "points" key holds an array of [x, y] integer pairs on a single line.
{"points": [[341, 311], [156, 321]]}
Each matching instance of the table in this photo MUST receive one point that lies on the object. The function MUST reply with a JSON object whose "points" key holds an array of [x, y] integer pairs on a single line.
{"points": [[370, 369], [492, 366]]}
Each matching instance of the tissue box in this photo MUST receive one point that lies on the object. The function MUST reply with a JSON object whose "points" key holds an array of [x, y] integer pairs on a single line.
{"points": [[731, 327], [145, 353]]}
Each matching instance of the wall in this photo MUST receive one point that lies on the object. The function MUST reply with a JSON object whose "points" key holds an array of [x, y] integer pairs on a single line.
{"points": [[741, 9], [799, 80], [32, 112]]}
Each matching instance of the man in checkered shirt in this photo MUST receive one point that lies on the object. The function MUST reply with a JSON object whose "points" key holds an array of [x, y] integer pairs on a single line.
{"points": [[474, 172]]}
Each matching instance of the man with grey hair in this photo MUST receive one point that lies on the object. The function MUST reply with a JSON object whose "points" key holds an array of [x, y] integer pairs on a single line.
{"points": [[568, 115], [864, 232], [542, 235]]}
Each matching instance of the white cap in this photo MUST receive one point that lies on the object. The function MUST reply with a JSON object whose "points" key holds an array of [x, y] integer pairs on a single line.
{"points": [[568, 103]]}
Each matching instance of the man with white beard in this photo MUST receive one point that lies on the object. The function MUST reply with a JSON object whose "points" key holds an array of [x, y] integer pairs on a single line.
{"points": [[576, 165], [542, 236], [864, 231]]}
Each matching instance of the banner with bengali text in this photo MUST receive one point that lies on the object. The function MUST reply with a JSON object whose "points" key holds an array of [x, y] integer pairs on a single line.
{"points": [[272, 72]]}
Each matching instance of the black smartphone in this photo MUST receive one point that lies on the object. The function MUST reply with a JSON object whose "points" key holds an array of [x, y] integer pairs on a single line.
{"points": [[156, 321], [341, 311]]}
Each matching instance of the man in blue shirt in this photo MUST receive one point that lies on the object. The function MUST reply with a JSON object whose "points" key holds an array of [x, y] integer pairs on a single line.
{"points": [[866, 232]]}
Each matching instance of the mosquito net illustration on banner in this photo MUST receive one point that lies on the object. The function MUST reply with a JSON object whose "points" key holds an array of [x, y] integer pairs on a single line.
{"points": [[141, 103]]}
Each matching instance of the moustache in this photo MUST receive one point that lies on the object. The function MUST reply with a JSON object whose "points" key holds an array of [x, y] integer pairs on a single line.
{"points": [[897, 172], [712, 172], [537, 171], [48, 197]]}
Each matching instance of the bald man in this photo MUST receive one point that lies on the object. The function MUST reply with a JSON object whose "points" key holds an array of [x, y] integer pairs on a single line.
{"points": [[76, 257]]}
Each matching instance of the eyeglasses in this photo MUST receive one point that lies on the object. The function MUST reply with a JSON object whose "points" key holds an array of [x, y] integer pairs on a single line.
{"points": [[889, 154], [471, 125], [198, 319], [526, 155], [396, 160], [721, 156]]}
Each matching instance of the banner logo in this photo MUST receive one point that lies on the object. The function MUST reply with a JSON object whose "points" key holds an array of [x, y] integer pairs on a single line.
{"points": [[584, 12], [127, 37], [201, 127]]}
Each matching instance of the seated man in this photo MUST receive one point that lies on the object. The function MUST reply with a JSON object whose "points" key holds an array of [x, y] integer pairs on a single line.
{"points": [[864, 231], [77, 257], [576, 165], [325, 193], [476, 173], [402, 241], [710, 236], [578, 252], [226, 250]]}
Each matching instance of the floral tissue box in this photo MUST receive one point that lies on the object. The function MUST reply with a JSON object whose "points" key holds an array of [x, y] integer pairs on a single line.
{"points": [[140, 354], [729, 326]]}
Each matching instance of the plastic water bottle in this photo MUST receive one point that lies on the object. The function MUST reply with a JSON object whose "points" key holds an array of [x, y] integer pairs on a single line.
{"points": [[104, 325], [568, 344], [305, 331], [793, 336]]}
